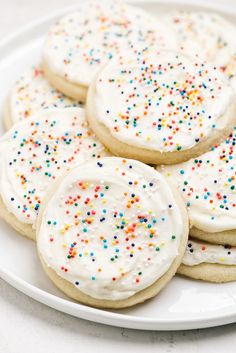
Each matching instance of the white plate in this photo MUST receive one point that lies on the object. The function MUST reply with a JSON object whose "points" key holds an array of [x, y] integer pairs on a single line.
{"points": [[184, 304]]}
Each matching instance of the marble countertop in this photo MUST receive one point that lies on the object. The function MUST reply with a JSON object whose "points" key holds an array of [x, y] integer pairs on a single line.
{"points": [[26, 325]]}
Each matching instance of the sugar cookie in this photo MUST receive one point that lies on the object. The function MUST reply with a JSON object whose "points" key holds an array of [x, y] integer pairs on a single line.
{"points": [[31, 93], [79, 44], [33, 154], [208, 262], [207, 35], [112, 233], [207, 184], [163, 108]]}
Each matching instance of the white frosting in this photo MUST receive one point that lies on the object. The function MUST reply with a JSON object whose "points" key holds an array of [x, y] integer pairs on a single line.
{"points": [[164, 102], [112, 228], [197, 253], [208, 36], [32, 92], [207, 184], [79, 44], [36, 151]]}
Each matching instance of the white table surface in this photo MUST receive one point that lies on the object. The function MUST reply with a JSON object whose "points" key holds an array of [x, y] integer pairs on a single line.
{"points": [[28, 326]]}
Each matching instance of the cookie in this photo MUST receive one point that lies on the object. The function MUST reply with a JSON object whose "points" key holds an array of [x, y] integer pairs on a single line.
{"points": [[208, 262], [112, 233], [207, 35], [30, 94], [160, 108], [79, 44], [34, 153], [207, 184]]}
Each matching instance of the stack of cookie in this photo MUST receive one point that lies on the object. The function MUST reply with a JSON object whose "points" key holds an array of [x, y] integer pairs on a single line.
{"points": [[117, 90]]}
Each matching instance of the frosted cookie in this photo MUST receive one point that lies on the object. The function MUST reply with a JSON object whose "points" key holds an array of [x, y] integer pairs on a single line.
{"points": [[162, 108], [206, 35], [208, 262], [207, 184], [34, 153], [31, 93], [79, 44], [112, 233]]}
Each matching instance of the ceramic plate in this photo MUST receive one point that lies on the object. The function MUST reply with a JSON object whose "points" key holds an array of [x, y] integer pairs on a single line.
{"points": [[184, 303]]}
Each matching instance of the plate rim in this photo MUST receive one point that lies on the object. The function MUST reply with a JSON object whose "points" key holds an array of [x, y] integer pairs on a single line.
{"points": [[32, 29], [106, 317]]}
